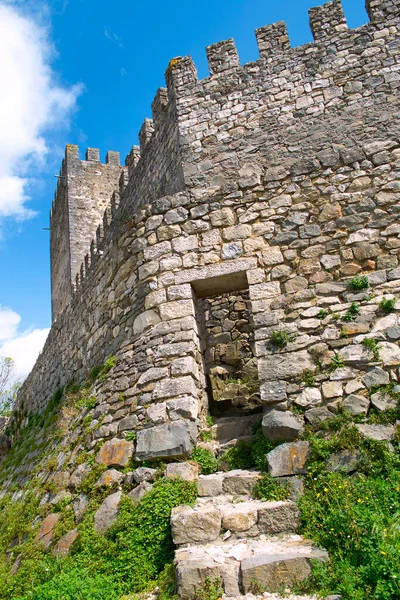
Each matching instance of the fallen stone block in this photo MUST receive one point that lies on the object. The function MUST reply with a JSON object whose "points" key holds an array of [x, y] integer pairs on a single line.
{"points": [[165, 441], [282, 426], [288, 459], [107, 513]]}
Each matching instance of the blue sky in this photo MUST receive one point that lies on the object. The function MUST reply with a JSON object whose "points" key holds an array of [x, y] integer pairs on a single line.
{"points": [[100, 64]]}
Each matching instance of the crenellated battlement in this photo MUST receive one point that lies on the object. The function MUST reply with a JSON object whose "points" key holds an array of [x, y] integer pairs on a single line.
{"points": [[291, 102]]}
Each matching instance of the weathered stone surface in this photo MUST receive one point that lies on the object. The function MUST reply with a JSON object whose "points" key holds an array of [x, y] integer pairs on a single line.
{"points": [[239, 517], [195, 525], [107, 513], [316, 416], [343, 461], [46, 531], [274, 571], [139, 491], [144, 474], [383, 401], [164, 441], [185, 471], [64, 544], [282, 426], [285, 366], [288, 459], [240, 482], [377, 432], [309, 397], [355, 355], [332, 389], [109, 478], [210, 485], [278, 517], [389, 354], [273, 391], [79, 505], [376, 377], [115, 453], [356, 405]]}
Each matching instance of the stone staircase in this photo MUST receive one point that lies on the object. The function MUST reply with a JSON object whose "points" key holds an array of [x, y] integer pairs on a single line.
{"points": [[249, 545]]}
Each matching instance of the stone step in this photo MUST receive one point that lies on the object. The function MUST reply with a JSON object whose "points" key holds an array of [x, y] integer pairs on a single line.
{"points": [[268, 562], [238, 482], [230, 428], [206, 523]]}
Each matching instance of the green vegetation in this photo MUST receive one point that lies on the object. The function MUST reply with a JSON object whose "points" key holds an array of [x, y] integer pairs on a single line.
{"points": [[206, 460], [270, 489], [280, 338], [101, 371], [336, 363], [322, 314], [308, 378], [387, 305], [358, 283], [249, 455], [352, 312], [373, 346]]}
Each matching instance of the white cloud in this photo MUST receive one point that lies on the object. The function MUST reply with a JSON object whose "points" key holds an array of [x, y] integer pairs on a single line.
{"points": [[31, 106], [23, 347]]}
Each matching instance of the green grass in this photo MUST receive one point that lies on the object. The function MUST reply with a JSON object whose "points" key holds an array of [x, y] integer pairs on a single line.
{"points": [[358, 283]]}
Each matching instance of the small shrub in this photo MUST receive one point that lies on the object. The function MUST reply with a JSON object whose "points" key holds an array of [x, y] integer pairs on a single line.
{"points": [[130, 436], [373, 346], [359, 282], [308, 378], [206, 460], [336, 363], [322, 314], [211, 589], [335, 316], [352, 312], [269, 489], [280, 338], [387, 305]]}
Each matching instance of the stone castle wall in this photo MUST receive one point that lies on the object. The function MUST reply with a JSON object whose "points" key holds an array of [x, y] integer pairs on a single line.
{"points": [[282, 178]]}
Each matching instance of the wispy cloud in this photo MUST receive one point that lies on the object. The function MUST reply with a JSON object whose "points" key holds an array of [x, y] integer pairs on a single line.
{"points": [[32, 105], [113, 37], [22, 346]]}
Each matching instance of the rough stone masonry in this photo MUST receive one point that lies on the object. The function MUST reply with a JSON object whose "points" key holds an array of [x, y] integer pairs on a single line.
{"points": [[276, 182]]}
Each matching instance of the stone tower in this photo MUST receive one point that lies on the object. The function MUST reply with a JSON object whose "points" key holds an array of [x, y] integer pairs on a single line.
{"points": [[83, 194]]}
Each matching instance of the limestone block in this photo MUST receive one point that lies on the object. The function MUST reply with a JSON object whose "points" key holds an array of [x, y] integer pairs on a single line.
{"points": [[316, 416], [272, 256], [376, 377], [46, 531], [157, 413], [176, 310], [115, 453], [239, 482], [64, 544], [285, 366], [381, 401], [355, 355], [273, 391], [389, 354], [183, 408], [178, 386], [191, 525], [239, 517], [109, 478], [153, 374], [223, 217], [139, 491], [332, 389], [288, 459], [356, 405], [185, 471], [149, 318], [107, 513], [377, 432], [185, 366], [169, 440], [309, 398], [272, 572], [210, 485], [192, 575], [144, 474], [345, 461], [278, 517], [282, 426]]}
